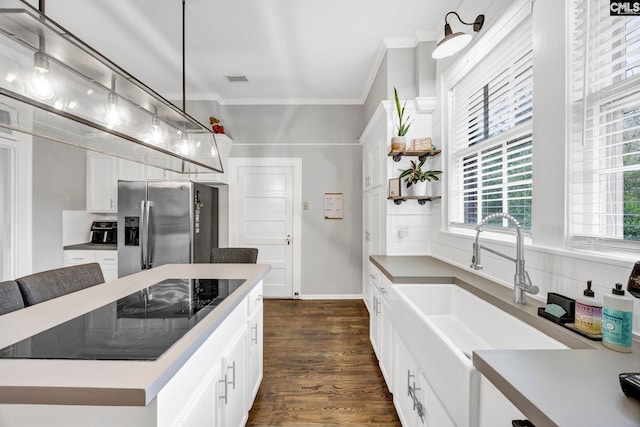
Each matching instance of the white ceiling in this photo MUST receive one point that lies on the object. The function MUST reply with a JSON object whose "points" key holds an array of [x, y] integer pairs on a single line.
{"points": [[292, 51]]}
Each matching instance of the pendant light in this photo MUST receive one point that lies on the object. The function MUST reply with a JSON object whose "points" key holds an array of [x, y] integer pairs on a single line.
{"points": [[40, 83], [65, 91], [454, 42], [112, 114]]}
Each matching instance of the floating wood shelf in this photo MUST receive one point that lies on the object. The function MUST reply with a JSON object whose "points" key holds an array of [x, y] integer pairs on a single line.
{"points": [[422, 154], [421, 199]]}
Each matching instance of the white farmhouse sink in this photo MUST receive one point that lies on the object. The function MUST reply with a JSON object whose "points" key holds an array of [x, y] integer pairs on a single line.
{"points": [[441, 325]]}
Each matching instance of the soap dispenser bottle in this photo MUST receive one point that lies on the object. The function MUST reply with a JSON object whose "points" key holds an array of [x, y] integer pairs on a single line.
{"points": [[617, 320], [588, 318]]}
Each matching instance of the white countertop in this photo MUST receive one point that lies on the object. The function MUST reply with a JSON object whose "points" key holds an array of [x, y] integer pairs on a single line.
{"points": [[576, 387], [99, 382]]}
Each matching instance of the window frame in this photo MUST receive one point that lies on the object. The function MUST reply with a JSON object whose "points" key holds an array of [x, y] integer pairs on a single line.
{"points": [[511, 20], [604, 185]]}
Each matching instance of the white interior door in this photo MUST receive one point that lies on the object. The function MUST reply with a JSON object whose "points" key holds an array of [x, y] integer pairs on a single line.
{"points": [[265, 214]]}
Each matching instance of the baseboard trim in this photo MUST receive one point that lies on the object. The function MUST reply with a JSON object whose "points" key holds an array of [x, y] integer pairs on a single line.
{"points": [[335, 296]]}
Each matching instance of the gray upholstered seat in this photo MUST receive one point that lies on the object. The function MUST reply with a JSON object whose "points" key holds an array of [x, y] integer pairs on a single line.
{"points": [[10, 297], [46, 285], [234, 255]]}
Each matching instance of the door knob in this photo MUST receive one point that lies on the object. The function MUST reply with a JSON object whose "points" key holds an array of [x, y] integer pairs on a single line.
{"points": [[288, 239]]}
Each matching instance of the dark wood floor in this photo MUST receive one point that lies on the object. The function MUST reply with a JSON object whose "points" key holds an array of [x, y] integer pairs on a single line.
{"points": [[319, 367]]}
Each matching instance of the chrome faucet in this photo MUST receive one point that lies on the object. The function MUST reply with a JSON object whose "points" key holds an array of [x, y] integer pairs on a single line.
{"points": [[521, 281]]}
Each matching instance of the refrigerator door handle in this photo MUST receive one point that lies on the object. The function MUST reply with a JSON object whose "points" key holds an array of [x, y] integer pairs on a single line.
{"points": [[148, 237], [143, 236]]}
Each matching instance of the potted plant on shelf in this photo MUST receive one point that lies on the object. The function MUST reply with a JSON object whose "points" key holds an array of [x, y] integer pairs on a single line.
{"points": [[417, 179], [399, 142]]}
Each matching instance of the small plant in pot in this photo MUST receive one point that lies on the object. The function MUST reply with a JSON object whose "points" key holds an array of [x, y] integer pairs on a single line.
{"points": [[417, 179], [399, 142]]}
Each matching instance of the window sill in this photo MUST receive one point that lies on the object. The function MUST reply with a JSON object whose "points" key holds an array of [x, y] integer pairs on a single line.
{"points": [[508, 236], [608, 256]]}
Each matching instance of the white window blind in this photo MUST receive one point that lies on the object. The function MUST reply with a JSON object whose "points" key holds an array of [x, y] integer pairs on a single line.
{"points": [[491, 108], [605, 126]]}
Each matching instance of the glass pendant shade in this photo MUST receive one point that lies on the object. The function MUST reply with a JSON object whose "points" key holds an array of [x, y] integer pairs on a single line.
{"points": [[62, 90]]}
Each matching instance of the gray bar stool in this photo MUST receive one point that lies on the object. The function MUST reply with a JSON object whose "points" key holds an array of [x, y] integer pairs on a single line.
{"points": [[234, 255]]}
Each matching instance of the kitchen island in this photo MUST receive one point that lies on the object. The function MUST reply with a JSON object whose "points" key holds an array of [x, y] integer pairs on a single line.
{"points": [[574, 387], [208, 375]]}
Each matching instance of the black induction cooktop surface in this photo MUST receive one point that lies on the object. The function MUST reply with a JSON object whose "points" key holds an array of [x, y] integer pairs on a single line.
{"points": [[140, 326]]}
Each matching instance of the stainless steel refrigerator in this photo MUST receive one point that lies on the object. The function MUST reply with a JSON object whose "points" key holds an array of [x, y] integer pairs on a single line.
{"points": [[163, 222]]}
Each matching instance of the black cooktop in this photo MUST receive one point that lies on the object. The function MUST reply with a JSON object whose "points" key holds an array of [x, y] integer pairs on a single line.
{"points": [[140, 326]]}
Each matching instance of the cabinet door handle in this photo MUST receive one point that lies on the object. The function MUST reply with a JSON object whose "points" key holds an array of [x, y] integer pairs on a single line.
{"points": [[409, 376], [226, 390], [254, 328], [110, 203], [233, 367]]}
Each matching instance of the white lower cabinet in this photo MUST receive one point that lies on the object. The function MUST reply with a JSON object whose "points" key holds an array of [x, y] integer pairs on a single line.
{"points": [[416, 402], [203, 409], [380, 326], [495, 408], [217, 385], [232, 383], [255, 355], [374, 317], [107, 259]]}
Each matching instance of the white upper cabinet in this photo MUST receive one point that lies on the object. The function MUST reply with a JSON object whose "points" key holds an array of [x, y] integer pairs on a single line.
{"points": [[102, 190]]}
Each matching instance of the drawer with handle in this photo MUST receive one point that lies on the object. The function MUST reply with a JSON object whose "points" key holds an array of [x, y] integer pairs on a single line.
{"points": [[79, 257]]}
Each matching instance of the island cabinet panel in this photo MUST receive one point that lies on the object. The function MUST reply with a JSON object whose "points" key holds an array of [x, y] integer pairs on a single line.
{"points": [[209, 389], [213, 386], [255, 353], [232, 383]]}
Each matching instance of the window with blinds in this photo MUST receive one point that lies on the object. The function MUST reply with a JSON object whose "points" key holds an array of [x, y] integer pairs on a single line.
{"points": [[605, 126], [490, 131]]}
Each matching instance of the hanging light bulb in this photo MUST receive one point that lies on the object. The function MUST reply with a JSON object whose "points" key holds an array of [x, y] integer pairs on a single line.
{"points": [[156, 130], [112, 115], [40, 84], [184, 146]]}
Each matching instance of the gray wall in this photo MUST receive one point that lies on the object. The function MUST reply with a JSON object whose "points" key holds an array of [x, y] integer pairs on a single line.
{"points": [[326, 138], [401, 68], [59, 183], [294, 124], [331, 249], [378, 90], [425, 69]]}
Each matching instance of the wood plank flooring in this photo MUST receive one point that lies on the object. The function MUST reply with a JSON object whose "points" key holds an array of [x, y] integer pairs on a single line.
{"points": [[319, 367]]}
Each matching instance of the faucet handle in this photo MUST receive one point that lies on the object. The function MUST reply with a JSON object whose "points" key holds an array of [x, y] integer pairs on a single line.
{"points": [[529, 286]]}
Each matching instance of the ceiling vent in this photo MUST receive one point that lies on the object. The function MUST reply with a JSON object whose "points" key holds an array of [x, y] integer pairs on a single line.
{"points": [[236, 79]]}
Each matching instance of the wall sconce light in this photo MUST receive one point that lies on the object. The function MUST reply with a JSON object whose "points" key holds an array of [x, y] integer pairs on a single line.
{"points": [[454, 42]]}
